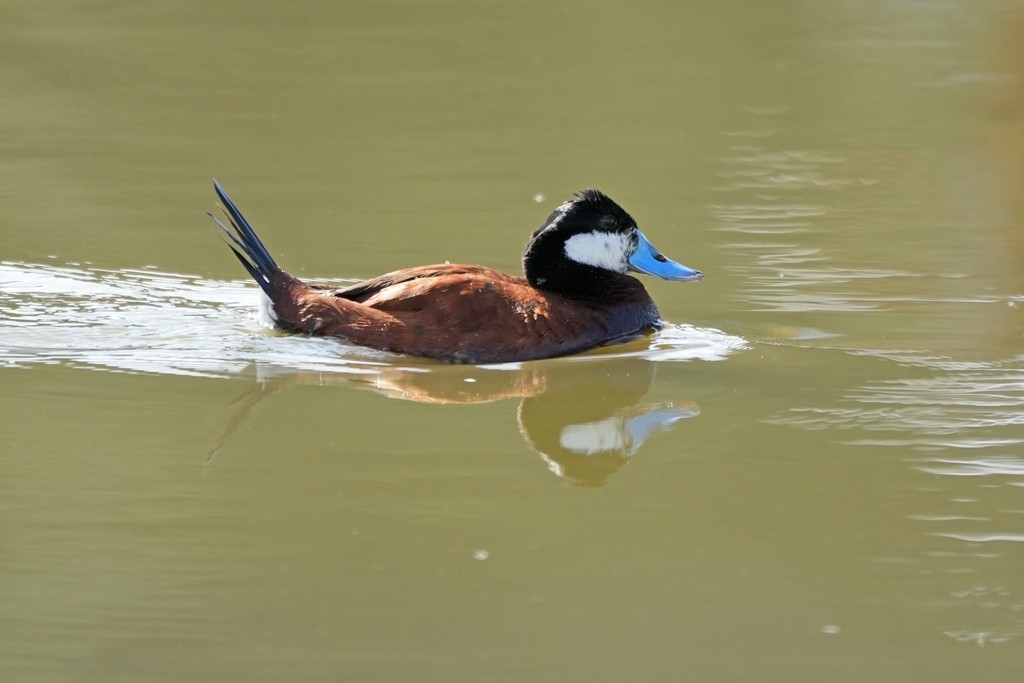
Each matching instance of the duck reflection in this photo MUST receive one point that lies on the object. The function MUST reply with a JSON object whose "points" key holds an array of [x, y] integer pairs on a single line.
{"points": [[591, 421], [583, 417]]}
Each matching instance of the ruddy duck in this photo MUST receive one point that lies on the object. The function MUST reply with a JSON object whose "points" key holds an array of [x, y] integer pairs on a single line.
{"points": [[576, 294]]}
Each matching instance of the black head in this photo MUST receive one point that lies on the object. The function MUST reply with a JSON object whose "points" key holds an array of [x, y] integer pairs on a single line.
{"points": [[589, 242]]}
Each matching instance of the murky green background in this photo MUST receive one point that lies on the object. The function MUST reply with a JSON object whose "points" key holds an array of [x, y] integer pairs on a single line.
{"points": [[818, 474]]}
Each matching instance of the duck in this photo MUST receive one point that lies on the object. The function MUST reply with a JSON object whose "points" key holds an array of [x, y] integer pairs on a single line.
{"points": [[576, 292]]}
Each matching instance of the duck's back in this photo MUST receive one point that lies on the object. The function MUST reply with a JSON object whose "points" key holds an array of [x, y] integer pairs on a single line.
{"points": [[469, 314], [428, 275]]}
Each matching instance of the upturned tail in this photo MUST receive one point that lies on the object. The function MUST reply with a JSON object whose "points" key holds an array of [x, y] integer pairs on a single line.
{"points": [[246, 244]]}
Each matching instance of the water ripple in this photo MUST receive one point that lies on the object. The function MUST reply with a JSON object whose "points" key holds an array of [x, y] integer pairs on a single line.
{"points": [[983, 537], [750, 168], [147, 321], [945, 405], [983, 467]]}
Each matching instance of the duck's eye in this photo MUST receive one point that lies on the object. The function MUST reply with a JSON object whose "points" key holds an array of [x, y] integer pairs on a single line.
{"points": [[607, 222]]}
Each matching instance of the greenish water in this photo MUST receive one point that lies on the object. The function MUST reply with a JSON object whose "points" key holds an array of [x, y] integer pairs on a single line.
{"points": [[815, 471]]}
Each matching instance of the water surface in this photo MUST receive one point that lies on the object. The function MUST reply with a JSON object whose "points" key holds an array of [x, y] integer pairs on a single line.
{"points": [[814, 471]]}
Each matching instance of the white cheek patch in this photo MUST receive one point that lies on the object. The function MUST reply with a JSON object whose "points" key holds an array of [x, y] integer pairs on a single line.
{"points": [[600, 249]]}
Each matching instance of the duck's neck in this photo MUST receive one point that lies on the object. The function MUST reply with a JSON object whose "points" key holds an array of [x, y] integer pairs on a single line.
{"points": [[547, 268], [587, 282]]}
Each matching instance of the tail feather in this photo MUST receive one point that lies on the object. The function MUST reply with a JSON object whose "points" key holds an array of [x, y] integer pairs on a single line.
{"points": [[245, 243]]}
